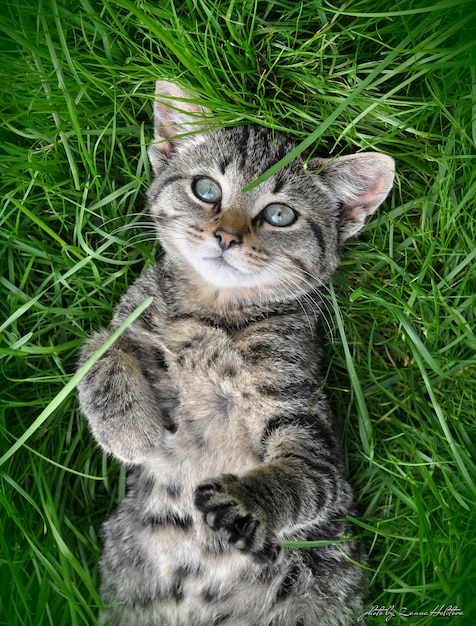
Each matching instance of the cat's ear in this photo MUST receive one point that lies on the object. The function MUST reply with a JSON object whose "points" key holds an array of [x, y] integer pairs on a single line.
{"points": [[175, 113], [361, 183]]}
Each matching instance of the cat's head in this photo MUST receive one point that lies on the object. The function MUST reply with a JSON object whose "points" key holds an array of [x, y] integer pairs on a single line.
{"points": [[280, 239]]}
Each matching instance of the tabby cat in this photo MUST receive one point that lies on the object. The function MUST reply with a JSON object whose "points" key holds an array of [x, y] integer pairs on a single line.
{"points": [[213, 396]]}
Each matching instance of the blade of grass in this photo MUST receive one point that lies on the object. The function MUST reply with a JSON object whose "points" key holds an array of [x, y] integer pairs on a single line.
{"points": [[372, 80], [364, 422], [74, 380]]}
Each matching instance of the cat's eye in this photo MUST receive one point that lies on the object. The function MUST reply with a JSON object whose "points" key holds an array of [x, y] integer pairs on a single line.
{"points": [[206, 189], [279, 215]]}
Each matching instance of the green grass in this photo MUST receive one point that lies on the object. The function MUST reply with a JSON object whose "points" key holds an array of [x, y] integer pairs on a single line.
{"points": [[76, 87]]}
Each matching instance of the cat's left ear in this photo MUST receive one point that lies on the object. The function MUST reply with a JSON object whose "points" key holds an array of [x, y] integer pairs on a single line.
{"points": [[361, 182], [175, 114]]}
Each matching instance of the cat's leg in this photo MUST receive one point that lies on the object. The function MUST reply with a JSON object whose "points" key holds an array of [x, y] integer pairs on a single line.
{"points": [[300, 484], [121, 406]]}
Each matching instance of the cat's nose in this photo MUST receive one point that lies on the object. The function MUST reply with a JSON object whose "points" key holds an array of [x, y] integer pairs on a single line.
{"points": [[227, 237]]}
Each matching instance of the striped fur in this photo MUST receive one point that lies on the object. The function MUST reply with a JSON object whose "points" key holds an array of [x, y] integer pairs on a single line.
{"points": [[213, 397]]}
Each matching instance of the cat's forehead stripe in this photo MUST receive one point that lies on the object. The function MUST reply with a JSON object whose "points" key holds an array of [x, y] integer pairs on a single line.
{"points": [[256, 148], [224, 164], [318, 234], [279, 181], [165, 183]]}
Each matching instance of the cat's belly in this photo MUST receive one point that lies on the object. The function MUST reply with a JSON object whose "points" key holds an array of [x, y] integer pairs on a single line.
{"points": [[179, 582], [170, 568]]}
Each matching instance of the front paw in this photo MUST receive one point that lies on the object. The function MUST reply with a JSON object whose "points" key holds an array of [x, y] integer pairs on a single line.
{"points": [[226, 508]]}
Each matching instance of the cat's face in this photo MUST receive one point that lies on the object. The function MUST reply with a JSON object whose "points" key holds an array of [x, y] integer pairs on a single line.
{"points": [[281, 234], [281, 237]]}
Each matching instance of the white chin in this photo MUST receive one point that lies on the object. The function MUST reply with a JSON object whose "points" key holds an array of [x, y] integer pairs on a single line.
{"points": [[219, 273]]}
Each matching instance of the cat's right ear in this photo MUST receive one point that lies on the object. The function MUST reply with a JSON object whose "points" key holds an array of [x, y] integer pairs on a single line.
{"points": [[176, 114], [360, 182]]}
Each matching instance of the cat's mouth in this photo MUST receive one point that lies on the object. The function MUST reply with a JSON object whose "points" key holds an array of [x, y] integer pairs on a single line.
{"points": [[220, 263], [217, 270]]}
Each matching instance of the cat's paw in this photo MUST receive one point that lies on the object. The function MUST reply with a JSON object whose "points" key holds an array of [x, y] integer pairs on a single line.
{"points": [[224, 508]]}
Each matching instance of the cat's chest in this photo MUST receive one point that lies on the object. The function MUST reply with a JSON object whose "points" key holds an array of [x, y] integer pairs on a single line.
{"points": [[214, 400]]}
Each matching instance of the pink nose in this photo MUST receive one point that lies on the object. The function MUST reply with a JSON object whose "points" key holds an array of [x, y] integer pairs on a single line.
{"points": [[227, 238]]}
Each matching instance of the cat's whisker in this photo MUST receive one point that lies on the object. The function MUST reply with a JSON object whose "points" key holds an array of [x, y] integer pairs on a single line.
{"points": [[275, 270], [322, 289], [125, 219], [318, 305], [146, 225]]}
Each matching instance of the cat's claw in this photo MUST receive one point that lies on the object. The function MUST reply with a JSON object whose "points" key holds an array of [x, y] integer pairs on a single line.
{"points": [[243, 530]]}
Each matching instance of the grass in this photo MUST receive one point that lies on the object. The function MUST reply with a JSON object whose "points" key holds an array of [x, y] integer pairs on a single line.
{"points": [[76, 87]]}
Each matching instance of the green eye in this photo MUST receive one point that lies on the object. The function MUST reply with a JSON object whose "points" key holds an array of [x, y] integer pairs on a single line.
{"points": [[279, 215], [206, 189]]}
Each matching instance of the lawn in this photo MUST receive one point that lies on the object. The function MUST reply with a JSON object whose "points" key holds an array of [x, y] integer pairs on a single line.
{"points": [[77, 79]]}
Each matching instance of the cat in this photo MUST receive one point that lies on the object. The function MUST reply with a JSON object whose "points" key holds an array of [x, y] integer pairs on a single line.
{"points": [[213, 396]]}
